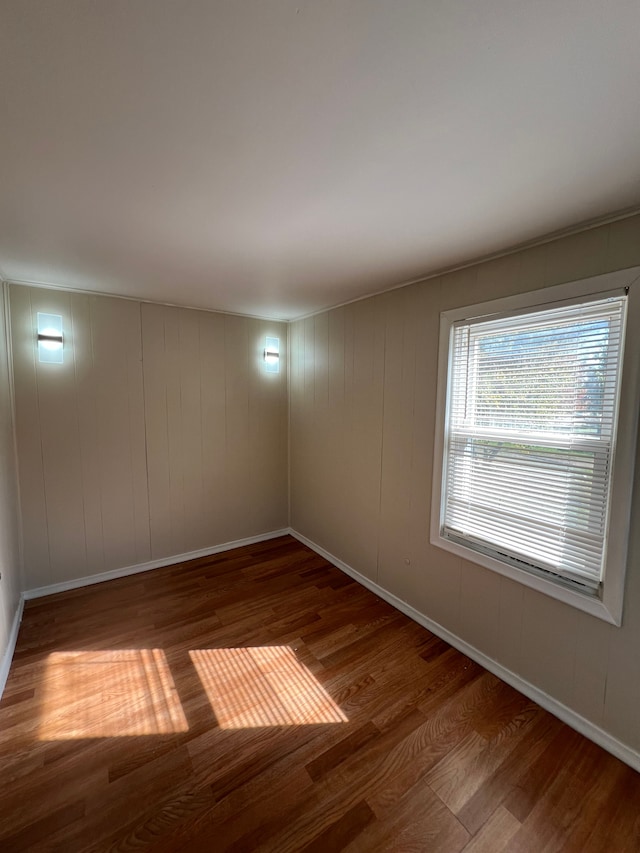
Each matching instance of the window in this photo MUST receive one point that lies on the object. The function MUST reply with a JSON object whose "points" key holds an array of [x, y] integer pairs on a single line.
{"points": [[530, 476]]}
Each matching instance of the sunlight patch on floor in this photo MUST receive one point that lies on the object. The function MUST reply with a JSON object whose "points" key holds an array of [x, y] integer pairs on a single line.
{"points": [[263, 686], [114, 693]]}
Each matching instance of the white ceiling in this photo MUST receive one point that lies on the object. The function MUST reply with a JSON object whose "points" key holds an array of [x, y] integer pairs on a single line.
{"points": [[274, 157]]}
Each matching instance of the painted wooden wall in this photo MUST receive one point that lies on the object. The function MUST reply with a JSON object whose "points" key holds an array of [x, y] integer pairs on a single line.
{"points": [[10, 559], [158, 435], [216, 429], [363, 396]]}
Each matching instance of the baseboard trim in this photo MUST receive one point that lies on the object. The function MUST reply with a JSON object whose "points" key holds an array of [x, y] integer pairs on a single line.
{"points": [[113, 574], [5, 666], [558, 709]]}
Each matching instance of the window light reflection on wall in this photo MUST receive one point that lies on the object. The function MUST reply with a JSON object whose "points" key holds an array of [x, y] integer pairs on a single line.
{"points": [[50, 342]]}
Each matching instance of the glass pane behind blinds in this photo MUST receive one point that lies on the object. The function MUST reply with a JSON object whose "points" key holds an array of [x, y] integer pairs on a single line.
{"points": [[531, 418]]}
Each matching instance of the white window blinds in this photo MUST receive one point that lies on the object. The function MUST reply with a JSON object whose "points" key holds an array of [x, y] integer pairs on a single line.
{"points": [[531, 416]]}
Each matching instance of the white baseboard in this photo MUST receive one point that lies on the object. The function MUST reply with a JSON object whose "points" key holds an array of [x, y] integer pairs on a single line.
{"points": [[63, 586], [558, 709], [7, 657]]}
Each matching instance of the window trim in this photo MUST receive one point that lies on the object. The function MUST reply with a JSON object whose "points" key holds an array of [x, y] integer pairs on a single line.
{"points": [[609, 605]]}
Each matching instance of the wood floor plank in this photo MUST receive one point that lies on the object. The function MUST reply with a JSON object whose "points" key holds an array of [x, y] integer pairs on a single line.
{"points": [[338, 753], [251, 812], [508, 776], [9, 700], [442, 733], [556, 822], [338, 792], [39, 830], [495, 835], [337, 835], [614, 829], [466, 768], [419, 822], [260, 700]]}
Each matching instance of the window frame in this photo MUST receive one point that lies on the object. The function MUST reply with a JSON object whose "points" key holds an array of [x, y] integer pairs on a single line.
{"points": [[609, 604]]}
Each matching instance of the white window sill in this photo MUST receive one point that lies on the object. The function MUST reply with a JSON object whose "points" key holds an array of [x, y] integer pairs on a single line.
{"points": [[609, 612]]}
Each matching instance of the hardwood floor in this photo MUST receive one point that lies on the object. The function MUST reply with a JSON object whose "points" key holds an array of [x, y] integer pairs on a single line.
{"points": [[261, 700]]}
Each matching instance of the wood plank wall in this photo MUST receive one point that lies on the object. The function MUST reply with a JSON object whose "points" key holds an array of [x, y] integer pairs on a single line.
{"points": [[11, 581], [363, 397], [160, 434], [216, 429]]}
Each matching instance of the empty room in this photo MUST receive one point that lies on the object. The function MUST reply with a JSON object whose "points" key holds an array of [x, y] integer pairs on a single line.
{"points": [[319, 394]]}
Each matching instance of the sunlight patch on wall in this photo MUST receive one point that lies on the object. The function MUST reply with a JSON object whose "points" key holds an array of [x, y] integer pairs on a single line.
{"points": [[263, 686], [115, 693]]}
